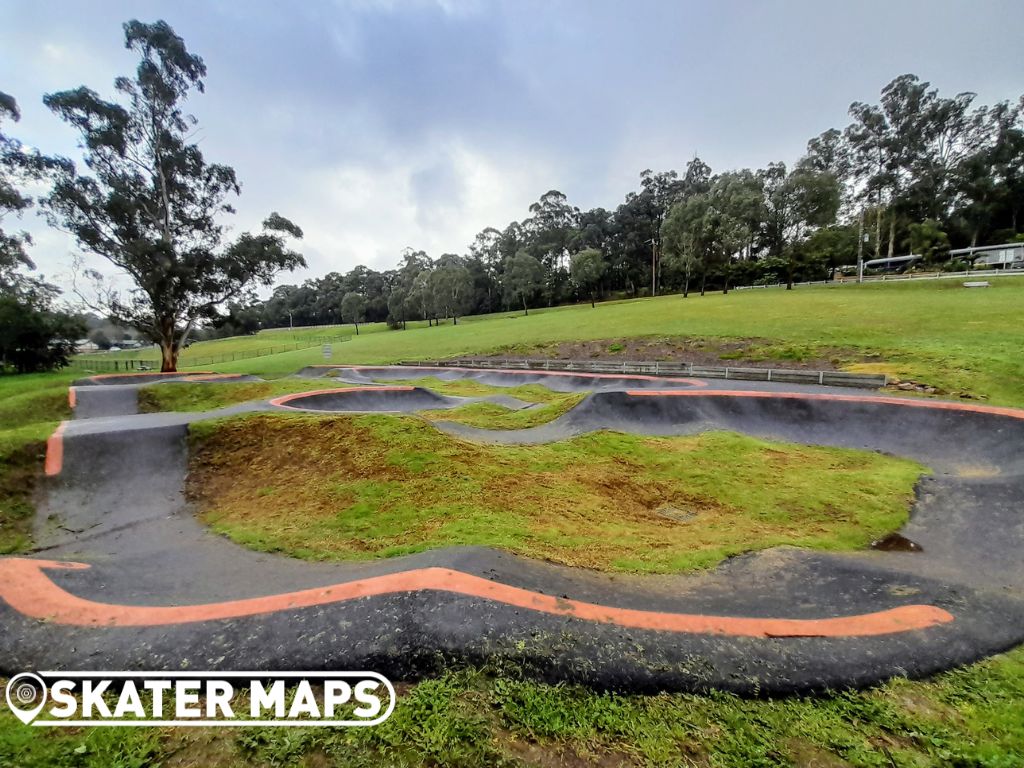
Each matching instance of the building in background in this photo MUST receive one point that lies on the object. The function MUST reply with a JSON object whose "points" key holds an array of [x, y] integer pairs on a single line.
{"points": [[1005, 256]]}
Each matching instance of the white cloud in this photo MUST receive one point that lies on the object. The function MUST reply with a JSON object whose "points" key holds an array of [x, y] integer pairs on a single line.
{"points": [[355, 214]]}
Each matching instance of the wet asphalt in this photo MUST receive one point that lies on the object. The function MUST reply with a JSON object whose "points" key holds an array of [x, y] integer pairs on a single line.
{"points": [[118, 506]]}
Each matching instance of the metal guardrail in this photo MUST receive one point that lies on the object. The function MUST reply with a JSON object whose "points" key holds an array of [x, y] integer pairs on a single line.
{"points": [[146, 364], [891, 278], [781, 375]]}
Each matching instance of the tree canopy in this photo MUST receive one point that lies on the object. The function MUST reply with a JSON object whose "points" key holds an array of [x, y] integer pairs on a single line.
{"points": [[151, 204], [35, 334], [917, 170]]}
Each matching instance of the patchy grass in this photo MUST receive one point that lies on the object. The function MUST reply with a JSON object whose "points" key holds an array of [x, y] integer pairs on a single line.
{"points": [[471, 718], [755, 352], [494, 416], [208, 396], [533, 393], [375, 486], [21, 459], [549, 405], [31, 406]]}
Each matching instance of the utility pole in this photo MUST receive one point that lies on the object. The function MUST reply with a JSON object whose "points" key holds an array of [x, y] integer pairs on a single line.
{"points": [[860, 249], [654, 266]]}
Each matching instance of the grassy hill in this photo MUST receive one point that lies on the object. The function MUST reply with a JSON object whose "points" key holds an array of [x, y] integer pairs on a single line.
{"points": [[266, 342], [936, 332], [969, 341]]}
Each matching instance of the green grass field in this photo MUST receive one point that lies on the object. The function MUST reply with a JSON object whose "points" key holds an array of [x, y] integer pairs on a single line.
{"points": [[265, 342], [962, 341], [967, 718], [937, 332], [30, 408]]}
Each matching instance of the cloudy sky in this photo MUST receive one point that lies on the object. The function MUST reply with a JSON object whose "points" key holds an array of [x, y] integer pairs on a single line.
{"points": [[380, 124]]}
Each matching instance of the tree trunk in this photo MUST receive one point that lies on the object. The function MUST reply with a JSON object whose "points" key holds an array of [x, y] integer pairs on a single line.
{"points": [[526, 310], [357, 328], [455, 320], [878, 229], [168, 345], [892, 236], [703, 282], [686, 285], [592, 301], [168, 356]]}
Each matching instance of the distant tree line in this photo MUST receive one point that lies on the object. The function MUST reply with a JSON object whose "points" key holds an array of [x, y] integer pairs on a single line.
{"points": [[35, 334], [917, 172]]}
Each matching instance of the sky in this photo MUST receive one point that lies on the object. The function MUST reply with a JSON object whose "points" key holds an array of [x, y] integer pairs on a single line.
{"points": [[381, 124]]}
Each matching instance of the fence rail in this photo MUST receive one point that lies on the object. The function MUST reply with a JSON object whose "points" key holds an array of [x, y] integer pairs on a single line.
{"points": [[146, 364], [889, 278], [781, 375]]}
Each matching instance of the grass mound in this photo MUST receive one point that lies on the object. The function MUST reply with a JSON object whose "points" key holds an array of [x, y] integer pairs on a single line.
{"points": [[208, 396], [376, 486], [549, 405], [31, 406]]}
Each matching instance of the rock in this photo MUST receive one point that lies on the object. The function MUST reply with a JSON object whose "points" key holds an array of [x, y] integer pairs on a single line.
{"points": [[896, 542]]}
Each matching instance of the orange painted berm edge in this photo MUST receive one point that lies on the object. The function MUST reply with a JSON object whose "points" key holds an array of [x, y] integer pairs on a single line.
{"points": [[25, 588]]}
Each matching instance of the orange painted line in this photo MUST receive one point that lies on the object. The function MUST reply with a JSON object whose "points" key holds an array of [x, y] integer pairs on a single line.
{"points": [[942, 405], [25, 587], [525, 372], [72, 398], [280, 401], [55, 451]]}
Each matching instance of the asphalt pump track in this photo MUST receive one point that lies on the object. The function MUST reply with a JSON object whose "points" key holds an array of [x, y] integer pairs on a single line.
{"points": [[124, 577]]}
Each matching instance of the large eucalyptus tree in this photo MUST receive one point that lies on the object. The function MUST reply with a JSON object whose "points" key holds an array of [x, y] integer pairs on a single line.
{"points": [[150, 203]]}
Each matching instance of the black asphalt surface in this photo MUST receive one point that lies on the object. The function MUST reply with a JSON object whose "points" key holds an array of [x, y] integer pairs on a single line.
{"points": [[118, 506]]}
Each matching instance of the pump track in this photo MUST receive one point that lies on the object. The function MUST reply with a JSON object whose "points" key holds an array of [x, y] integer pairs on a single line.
{"points": [[124, 577]]}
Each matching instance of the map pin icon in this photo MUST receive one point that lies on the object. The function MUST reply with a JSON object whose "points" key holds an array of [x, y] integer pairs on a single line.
{"points": [[26, 695]]}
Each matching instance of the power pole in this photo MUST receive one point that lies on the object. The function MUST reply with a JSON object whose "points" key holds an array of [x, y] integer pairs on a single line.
{"points": [[860, 249], [654, 268]]}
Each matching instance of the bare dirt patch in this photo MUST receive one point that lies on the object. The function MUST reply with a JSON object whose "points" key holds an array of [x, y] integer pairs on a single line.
{"points": [[745, 352]]}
